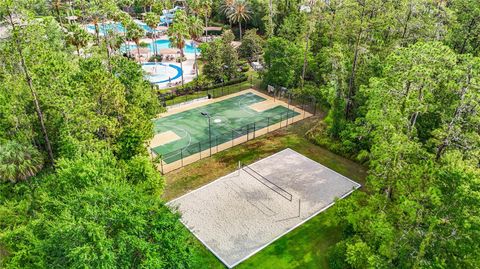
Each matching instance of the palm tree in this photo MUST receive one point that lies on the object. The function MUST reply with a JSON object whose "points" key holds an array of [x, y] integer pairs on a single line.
{"points": [[96, 16], [226, 8], [195, 27], [125, 20], [57, 5], [178, 33], [205, 10], [134, 33], [19, 162], [152, 20], [195, 31], [239, 12], [77, 36]]}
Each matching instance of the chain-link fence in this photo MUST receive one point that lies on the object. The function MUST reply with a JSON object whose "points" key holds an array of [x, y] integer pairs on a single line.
{"points": [[192, 93], [299, 107]]}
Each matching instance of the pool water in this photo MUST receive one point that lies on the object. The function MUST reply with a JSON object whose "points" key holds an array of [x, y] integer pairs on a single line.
{"points": [[104, 28], [117, 27], [161, 73], [163, 44]]}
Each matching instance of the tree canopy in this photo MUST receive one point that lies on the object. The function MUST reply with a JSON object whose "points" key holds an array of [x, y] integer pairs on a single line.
{"points": [[397, 82], [89, 195]]}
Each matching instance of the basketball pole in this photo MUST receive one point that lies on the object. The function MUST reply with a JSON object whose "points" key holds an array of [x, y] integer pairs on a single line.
{"points": [[239, 167], [299, 203]]}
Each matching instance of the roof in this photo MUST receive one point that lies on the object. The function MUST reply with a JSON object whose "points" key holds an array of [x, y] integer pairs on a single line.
{"points": [[212, 28], [142, 50]]}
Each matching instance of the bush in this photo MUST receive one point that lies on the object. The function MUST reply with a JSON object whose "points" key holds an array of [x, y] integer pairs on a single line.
{"points": [[202, 84], [181, 59], [157, 57], [244, 68]]}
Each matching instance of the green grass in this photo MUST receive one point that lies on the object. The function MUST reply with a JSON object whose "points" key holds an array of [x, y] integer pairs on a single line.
{"points": [[304, 247]]}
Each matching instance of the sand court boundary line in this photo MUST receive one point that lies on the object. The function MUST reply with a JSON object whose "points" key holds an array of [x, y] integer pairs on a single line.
{"points": [[316, 201]]}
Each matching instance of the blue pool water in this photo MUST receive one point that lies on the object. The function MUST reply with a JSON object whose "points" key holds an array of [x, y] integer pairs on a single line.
{"points": [[164, 44], [104, 28], [162, 72], [117, 27]]}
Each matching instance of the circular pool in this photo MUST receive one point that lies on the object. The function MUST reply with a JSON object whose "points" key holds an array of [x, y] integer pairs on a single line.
{"points": [[161, 73]]}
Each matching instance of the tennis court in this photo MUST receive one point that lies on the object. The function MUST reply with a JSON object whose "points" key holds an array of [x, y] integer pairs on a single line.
{"points": [[243, 212], [195, 131]]}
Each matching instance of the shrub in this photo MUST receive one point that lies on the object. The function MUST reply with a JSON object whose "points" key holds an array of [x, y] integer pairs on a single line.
{"points": [[181, 59], [157, 57]]}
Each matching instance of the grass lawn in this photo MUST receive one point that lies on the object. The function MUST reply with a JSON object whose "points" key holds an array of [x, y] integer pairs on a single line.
{"points": [[304, 247]]}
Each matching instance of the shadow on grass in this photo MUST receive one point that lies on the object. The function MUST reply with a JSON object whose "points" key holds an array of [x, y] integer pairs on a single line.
{"points": [[304, 247]]}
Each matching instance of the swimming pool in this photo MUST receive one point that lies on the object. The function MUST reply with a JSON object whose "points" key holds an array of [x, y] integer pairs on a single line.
{"points": [[161, 73], [116, 27], [104, 28], [164, 44]]}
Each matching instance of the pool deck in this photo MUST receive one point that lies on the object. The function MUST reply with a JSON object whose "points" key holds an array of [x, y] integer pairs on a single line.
{"points": [[188, 71]]}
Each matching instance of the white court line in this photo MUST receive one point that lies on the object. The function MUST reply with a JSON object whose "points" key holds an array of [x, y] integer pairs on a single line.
{"points": [[243, 106], [357, 185], [189, 140]]}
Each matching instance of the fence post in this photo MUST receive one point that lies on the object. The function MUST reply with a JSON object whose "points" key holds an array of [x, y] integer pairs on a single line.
{"points": [[232, 138], [216, 142], [181, 156], [303, 107], [288, 101], [200, 150], [304, 112], [268, 124], [254, 130], [161, 164]]}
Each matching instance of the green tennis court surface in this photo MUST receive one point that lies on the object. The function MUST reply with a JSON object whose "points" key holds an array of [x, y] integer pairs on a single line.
{"points": [[230, 119]]}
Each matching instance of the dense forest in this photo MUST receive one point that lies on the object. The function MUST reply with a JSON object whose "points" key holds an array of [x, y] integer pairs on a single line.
{"points": [[398, 80]]}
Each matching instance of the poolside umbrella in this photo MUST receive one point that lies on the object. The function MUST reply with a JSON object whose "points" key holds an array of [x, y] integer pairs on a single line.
{"points": [[169, 51], [143, 51]]}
